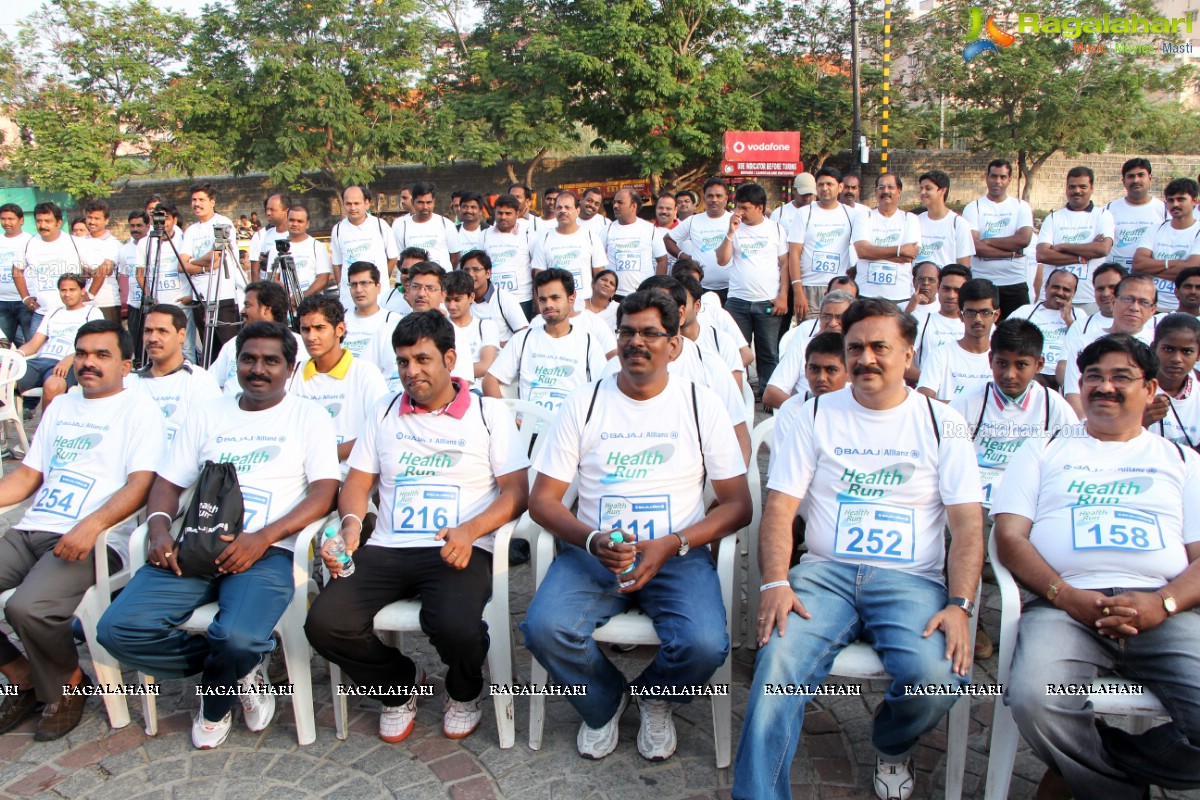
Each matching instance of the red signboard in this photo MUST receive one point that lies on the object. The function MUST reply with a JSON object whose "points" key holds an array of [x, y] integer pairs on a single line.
{"points": [[762, 146], [762, 169]]}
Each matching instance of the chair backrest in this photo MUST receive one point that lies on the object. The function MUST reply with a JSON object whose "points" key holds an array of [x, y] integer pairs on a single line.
{"points": [[748, 399], [531, 420], [12, 369]]}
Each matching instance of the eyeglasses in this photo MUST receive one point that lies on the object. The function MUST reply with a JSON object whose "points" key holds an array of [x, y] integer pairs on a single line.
{"points": [[829, 317], [983, 313], [403, 273], [419, 288], [475, 270], [1130, 300], [926, 280], [625, 334], [1121, 380], [361, 284]]}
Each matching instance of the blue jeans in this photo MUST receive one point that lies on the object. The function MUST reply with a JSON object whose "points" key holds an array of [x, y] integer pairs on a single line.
{"points": [[15, 320], [37, 370], [885, 607], [579, 595], [139, 628], [1052, 648], [761, 329]]}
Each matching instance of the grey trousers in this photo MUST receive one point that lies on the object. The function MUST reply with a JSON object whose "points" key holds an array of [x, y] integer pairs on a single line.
{"points": [[48, 591]]}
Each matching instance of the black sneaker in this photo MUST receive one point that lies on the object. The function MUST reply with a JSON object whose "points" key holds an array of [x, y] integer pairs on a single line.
{"points": [[16, 708], [518, 552]]}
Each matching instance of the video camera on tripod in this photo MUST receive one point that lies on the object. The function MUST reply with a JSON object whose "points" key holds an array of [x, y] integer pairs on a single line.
{"points": [[284, 272], [158, 223]]}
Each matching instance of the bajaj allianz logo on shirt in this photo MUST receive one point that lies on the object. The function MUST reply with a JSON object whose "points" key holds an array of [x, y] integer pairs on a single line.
{"points": [[875, 484], [636, 466], [244, 462], [414, 467], [1110, 492], [67, 450]]}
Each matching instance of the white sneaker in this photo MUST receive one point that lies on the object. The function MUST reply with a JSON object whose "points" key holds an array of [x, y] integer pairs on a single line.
{"points": [[209, 735], [656, 736], [599, 742], [893, 781], [461, 719], [396, 722], [258, 707]]}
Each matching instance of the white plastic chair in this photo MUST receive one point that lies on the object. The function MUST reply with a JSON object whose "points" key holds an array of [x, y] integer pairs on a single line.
{"points": [[404, 616], [1005, 736], [748, 399], [12, 369], [634, 627], [93, 604], [531, 419], [296, 650]]}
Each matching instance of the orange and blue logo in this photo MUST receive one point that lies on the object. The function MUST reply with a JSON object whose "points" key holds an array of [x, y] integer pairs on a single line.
{"points": [[984, 37]]}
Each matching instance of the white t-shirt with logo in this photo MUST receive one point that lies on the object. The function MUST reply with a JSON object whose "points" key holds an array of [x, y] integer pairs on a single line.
{"points": [[934, 332], [1167, 242], [311, 259], [510, 261], [224, 366], [699, 236], [177, 393], [199, 239], [60, 327], [169, 283], [503, 309], [601, 331], [95, 252], [876, 483], [361, 330], [944, 241], [998, 430], [754, 272], [1054, 330], [348, 401], [86, 450], [1182, 422], [470, 240], [1106, 514], [469, 341], [127, 266], [1065, 226], [641, 463], [437, 236], [828, 236], [548, 369], [369, 241], [887, 279], [704, 369], [951, 370], [580, 253], [12, 250], [633, 251], [278, 452], [1132, 223], [993, 221], [435, 471], [43, 263]]}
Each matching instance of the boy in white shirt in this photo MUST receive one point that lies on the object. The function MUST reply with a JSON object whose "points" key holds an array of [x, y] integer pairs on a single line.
{"points": [[1174, 413], [367, 318], [959, 366], [476, 341]]}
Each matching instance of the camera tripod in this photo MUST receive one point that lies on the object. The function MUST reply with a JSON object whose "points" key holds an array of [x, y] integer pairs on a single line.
{"points": [[152, 279], [223, 257], [283, 271]]}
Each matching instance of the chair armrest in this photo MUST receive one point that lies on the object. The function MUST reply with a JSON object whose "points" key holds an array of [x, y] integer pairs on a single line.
{"points": [[103, 583], [544, 542], [6, 509], [1010, 605], [302, 556], [504, 535]]}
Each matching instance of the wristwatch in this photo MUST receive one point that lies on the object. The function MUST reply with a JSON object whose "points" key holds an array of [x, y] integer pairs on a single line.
{"points": [[966, 605], [1168, 602], [684, 547]]}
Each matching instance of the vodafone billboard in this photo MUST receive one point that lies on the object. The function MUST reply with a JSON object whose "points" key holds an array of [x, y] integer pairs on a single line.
{"points": [[779, 147]]}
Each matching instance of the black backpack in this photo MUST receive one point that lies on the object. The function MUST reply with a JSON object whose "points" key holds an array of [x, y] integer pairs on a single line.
{"points": [[215, 511]]}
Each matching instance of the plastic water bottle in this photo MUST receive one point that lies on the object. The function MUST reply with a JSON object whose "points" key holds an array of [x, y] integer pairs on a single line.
{"points": [[338, 551], [618, 536]]}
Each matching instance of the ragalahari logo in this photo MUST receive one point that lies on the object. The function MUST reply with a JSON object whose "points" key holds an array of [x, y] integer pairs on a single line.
{"points": [[983, 37]]}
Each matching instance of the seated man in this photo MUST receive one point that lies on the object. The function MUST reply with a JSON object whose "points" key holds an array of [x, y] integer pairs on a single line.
{"points": [[426, 291], [174, 383], [266, 301], [791, 374], [1101, 524], [91, 463], [286, 457], [367, 317], [435, 533], [875, 566], [51, 349], [652, 492], [345, 386]]}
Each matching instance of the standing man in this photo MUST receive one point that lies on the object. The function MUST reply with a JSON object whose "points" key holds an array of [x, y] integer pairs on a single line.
{"points": [[471, 224], [15, 316], [851, 190], [1170, 247], [660, 511], [262, 243], [159, 275], [313, 270], [218, 278], [1053, 316], [431, 232], [571, 247], [875, 568], [665, 219], [945, 236], [101, 253], [1078, 237], [508, 245], [959, 366], [700, 235], [804, 192], [1002, 227], [591, 210], [891, 241], [549, 196], [685, 204], [492, 302], [1135, 214], [46, 257], [936, 330], [367, 317], [634, 250], [821, 243], [361, 236], [525, 215], [131, 290]]}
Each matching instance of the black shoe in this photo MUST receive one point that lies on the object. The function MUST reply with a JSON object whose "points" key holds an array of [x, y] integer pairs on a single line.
{"points": [[518, 552], [59, 719], [16, 708]]}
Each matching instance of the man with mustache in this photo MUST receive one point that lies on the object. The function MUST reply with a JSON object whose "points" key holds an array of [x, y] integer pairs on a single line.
{"points": [[265, 302], [1100, 524], [959, 366], [91, 464], [641, 531], [1054, 315], [45, 257], [890, 242], [1136, 213], [1076, 238], [1172, 246], [285, 452], [570, 246]]}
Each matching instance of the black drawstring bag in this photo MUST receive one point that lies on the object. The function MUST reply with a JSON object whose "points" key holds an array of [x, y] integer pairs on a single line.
{"points": [[215, 511]]}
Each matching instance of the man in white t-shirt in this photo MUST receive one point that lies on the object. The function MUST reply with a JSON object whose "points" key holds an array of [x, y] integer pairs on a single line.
{"points": [[634, 250], [450, 471], [665, 218], [343, 385], [175, 384], [476, 341], [1171, 246], [367, 318], [285, 453], [432, 232], [591, 210], [15, 316], [924, 299], [508, 245], [959, 366], [471, 224], [880, 482], [216, 273], [1175, 411], [159, 276], [90, 465], [361, 236], [51, 349], [571, 247], [821, 243], [791, 376], [1105, 280], [804, 191], [50, 254], [549, 196], [101, 250], [1187, 291], [1053, 315], [309, 256], [525, 216], [131, 292], [1078, 237], [426, 291], [755, 252], [699, 235], [642, 446], [890, 242], [265, 302], [945, 236], [262, 244], [492, 302], [1100, 524], [1135, 213], [822, 357], [545, 363], [943, 327], [1002, 227]]}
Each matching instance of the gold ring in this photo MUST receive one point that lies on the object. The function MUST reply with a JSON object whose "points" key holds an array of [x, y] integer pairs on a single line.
{"points": [[1106, 611], [169, 554], [155, 563]]}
